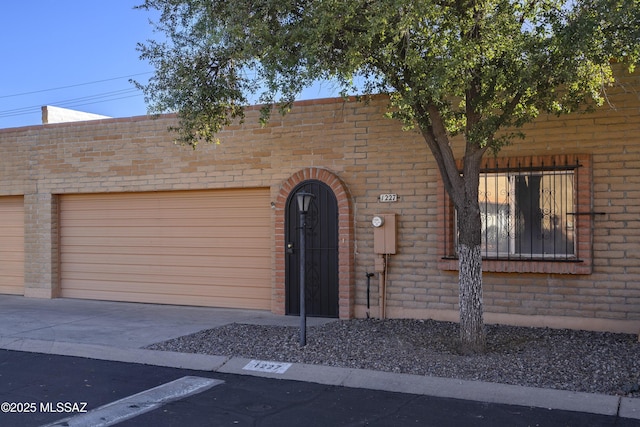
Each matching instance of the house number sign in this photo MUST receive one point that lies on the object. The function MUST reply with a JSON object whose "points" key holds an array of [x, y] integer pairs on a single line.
{"points": [[267, 366], [388, 198]]}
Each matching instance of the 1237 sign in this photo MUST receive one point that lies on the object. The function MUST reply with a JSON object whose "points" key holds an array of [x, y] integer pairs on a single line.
{"points": [[388, 198]]}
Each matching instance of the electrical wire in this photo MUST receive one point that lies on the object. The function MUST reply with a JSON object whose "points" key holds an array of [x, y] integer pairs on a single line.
{"points": [[106, 100], [75, 85], [74, 102]]}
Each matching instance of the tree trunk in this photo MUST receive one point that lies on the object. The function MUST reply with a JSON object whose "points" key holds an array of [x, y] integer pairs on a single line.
{"points": [[463, 190], [472, 332]]}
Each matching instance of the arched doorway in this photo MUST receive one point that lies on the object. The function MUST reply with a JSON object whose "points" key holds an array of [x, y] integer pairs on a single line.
{"points": [[322, 269]]}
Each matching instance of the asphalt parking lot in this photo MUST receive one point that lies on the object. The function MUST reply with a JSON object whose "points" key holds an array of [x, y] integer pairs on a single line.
{"points": [[242, 400]]}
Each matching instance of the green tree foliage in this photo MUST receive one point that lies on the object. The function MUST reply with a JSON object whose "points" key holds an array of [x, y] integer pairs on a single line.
{"points": [[476, 69]]}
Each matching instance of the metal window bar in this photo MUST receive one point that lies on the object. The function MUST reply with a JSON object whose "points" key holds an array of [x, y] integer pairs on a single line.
{"points": [[527, 211]]}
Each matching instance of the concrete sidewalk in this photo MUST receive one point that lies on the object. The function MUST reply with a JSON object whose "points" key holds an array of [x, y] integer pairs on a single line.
{"points": [[119, 331]]}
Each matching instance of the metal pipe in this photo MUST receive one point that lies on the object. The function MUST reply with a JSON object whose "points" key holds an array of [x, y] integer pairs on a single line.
{"points": [[304, 202], [369, 276], [303, 313], [382, 297]]}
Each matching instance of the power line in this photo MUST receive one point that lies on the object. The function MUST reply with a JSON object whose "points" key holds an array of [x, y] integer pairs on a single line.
{"points": [[105, 100], [75, 102], [24, 113], [75, 85]]}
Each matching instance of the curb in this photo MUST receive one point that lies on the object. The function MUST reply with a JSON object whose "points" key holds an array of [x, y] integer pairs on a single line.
{"points": [[350, 377], [480, 391]]}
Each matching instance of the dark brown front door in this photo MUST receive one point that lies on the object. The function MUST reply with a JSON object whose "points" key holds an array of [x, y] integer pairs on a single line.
{"points": [[321, 270]]}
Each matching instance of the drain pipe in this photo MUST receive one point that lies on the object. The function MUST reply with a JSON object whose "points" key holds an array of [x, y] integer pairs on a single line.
{"points": [[369, 276]]}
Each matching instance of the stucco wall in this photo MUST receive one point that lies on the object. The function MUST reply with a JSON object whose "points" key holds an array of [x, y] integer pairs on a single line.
{"points": [[370, 155]]}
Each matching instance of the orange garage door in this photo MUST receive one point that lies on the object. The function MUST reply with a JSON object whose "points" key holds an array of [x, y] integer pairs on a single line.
{"points": [[12, 245], [205, 248]]}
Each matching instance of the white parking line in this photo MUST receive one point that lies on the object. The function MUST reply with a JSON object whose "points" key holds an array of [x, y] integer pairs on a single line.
{"points": [[137, 404]]}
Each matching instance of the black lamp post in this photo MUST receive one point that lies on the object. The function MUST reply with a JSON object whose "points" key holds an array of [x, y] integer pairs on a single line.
{"points": [[304, 200]]}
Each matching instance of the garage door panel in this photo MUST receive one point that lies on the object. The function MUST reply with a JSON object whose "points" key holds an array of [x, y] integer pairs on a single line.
{"points": [[12, 232], [12, 280], [77, 251], [12, 245], [224, 198], [217, 220], [155, 245], [211, 232], [12, 285], [125, 214], [168, 247], [206, 301], [12, 260], [214, 259], [230, 280], [187, 273], [172, 288]]}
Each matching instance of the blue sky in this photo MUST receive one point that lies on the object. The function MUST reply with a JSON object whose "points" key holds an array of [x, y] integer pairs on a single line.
{"points": [[77, 54]]}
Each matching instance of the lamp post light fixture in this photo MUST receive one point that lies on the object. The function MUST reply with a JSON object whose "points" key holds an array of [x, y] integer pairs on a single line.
{"points": [[304, 201]]}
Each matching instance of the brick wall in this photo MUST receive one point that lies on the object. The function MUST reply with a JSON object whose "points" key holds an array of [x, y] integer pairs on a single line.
{"points": [[369, 155]]}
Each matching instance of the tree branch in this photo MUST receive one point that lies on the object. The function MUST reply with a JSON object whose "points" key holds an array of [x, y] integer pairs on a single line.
{"points": [[437, 140], [529, 8]]}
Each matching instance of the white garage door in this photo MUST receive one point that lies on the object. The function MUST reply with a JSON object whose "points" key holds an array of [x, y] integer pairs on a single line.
{"points": [[205, 248], [12, 245]]}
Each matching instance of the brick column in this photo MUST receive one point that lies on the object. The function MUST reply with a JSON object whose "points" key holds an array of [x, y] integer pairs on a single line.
{"points": [[41, 251]]}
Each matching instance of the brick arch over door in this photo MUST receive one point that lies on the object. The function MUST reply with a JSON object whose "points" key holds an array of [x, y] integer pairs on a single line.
{"points": [[345, 239]]}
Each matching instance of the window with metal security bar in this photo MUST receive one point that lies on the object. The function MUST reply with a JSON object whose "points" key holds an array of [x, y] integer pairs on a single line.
{"points": [[533, 217], [527, 214]]}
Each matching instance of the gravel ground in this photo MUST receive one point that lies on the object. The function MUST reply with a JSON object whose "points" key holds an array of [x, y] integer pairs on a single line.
{"points": [[583, 361]]}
